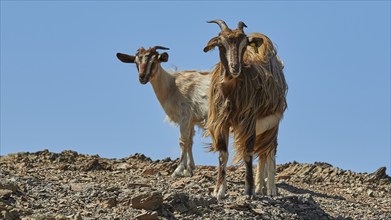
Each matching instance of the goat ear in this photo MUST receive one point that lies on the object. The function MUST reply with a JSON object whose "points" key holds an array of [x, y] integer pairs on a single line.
{"points": [[211, 44], [163, 57], [125, 58], [255, 41]]}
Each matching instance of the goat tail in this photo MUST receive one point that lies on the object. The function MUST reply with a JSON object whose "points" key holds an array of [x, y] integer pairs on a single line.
{"points": [[265, 144]]}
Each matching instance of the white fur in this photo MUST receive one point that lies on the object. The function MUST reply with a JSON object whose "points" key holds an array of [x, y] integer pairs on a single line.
{"points": [[219, 191], [271, 166], [184, 98], [266, 168], [260, 184], [183, 95], [267, 123]]}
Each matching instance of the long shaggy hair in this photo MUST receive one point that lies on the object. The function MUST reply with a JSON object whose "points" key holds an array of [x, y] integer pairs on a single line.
{"points": [[256, 93]]}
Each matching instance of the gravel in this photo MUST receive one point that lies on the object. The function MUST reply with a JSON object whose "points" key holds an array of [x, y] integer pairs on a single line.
{"points": [[68, 185]]}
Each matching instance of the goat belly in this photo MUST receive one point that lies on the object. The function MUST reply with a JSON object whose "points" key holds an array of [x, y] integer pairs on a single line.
{"points": [[267, 123]]}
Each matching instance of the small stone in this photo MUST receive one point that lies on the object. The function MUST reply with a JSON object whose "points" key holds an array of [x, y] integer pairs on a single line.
{"points": [[307, 199], [379, 174], [77, 217], [190, 204], [150, 171], [147, 216], [148, 201], [110, 203], [370, 193], [168, 196], [193, 185], [259, 211], [181, 183], [60, 217], [342, 218], [181, 208], [12, 214], [167, 159], [93, 165], [5, 193], [164, 173], [9, 185], [232, 193], [232, 168], [283, 177], [123, 166]]}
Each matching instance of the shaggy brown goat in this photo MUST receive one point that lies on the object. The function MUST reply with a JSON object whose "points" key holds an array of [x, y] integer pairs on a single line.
{"points": [[247, 94], [183, 96]]}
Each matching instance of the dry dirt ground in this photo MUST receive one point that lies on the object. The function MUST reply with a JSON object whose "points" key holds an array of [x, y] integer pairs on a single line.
{"points": [[68, 185]]}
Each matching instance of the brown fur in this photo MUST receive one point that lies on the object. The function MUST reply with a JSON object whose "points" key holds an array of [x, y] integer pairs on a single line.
{"points": [[256, 93]]}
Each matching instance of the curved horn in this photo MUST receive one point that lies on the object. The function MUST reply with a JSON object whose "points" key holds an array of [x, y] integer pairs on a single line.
{"points": [[223, 26], [241, 25], [160, 48]]}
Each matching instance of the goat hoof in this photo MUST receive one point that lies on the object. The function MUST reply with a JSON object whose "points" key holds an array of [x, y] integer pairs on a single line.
{"points": [[174, 175], [260, 191], [219, 194], [272, 191], [187, 173], [250, 195], [220, 197], [178, 172], [271, 194]]}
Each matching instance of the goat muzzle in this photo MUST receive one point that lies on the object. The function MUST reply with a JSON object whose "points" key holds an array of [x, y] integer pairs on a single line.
{"points": [[143, 79], [235, 70], [235, 74]]}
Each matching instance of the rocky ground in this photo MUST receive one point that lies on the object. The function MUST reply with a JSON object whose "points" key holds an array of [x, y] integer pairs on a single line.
{"points": [[68, 185]]}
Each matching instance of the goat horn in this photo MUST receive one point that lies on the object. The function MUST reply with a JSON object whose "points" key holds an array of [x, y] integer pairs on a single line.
{"points": [[223, 26], [241, 25], [160, 48]]}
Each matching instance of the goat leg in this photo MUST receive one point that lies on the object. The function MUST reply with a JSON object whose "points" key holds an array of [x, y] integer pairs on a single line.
{"points": [[179, 171], [221, 184], [248, 161], [271, 166], [260, 177], [190, 166]]}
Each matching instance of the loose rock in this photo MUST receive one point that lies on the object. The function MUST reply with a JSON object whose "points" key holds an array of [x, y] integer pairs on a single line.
{"points": [[73, 186], [147, 216], [148, 201]]}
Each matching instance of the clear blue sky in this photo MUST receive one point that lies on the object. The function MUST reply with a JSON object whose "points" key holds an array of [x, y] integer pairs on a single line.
{"points": [[62, 86]]}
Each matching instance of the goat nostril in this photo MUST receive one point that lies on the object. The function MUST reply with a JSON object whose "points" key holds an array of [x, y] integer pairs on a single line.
{"points": [[235, 67]]}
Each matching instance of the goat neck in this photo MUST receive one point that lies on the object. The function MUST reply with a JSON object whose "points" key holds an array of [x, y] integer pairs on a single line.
{"points": [[163, 84]]}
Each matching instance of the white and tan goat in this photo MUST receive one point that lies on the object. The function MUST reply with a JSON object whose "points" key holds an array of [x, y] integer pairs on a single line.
{"points": [[183, 96]]}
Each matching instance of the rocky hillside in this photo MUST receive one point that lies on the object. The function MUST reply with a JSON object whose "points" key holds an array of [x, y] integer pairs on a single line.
{"points": [[68, 185]]}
